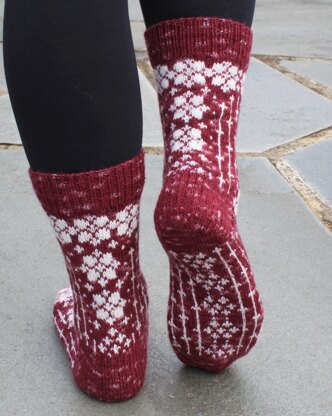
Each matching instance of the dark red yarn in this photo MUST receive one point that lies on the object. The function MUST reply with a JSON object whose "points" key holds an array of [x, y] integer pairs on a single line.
{"points": [[101, 317], [215, 312]]}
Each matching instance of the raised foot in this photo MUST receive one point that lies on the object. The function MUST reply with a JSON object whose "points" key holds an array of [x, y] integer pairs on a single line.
{"points": [[215, 312]]}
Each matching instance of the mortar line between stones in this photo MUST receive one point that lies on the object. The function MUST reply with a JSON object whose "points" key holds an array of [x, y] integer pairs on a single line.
{"points": [[5, 146], [315, 203], [288, 148], [146, 69], [279, 151], [293, 57], [273, 61], [273, 152]]}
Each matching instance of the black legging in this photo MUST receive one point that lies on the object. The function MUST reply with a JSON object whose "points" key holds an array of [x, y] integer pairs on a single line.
{"points": [[72, 76]]}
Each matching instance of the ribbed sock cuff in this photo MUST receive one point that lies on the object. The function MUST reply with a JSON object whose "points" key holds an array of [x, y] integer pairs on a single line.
{"points": [[207, 38], [91, 192]]}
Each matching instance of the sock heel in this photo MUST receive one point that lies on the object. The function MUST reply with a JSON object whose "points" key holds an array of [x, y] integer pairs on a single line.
{"points": [[190, 216]]}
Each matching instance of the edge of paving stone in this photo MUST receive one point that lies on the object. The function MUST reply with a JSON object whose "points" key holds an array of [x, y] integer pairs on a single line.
{"points": [[273, 61]]}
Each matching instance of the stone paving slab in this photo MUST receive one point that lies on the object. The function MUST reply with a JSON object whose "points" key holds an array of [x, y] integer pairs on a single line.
{"points": [[2, 5], [135, 12], [8, 128], [276, 109], [314, 165], [293, 27], [320, 71], [286, 374], [137, 32], [3, 85]]}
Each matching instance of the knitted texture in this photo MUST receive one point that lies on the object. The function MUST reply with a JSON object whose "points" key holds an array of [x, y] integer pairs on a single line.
{"points": [[101, 317], [214, 310]]}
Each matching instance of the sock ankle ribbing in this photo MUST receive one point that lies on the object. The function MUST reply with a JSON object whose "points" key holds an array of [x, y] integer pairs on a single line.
{"points": [[101, 317], [199, 65]]}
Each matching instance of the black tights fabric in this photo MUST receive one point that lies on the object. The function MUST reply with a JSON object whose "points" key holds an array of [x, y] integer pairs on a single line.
{"points": [[155, 11], [72, 77]]}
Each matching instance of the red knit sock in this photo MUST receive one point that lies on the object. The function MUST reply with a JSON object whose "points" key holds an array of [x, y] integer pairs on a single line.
{"points": [[215, 312], [101, 317]]}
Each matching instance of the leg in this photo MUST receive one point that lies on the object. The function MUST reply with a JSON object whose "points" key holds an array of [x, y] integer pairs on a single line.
{"points": [[199, 63], [73, 83], [72, 79], [155, 11]]}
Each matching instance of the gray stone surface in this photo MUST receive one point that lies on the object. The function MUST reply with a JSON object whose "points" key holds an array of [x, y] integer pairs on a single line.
{"points": [[293, 27], [315, 166], [3, 85], [137, 30], [275, 109], [2, 5], [287, 373], [135, 12], [152, 132], [320, 71], [8, 128]]}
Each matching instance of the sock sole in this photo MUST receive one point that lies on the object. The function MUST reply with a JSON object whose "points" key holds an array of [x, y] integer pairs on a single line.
{"points": [[186, 232]]}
